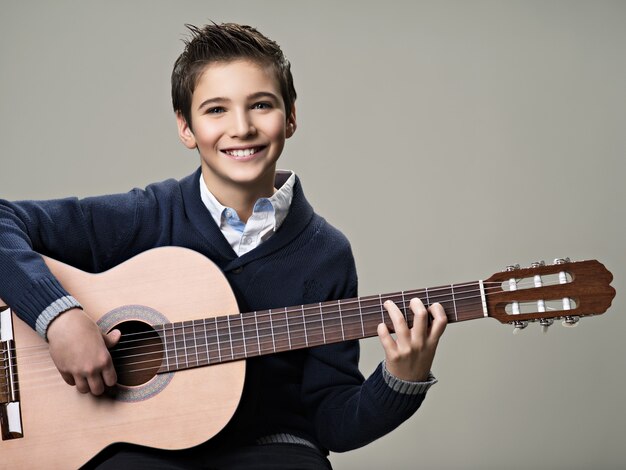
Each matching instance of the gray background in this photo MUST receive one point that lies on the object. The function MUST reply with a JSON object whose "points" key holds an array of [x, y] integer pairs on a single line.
{"points": [[446, 139]]}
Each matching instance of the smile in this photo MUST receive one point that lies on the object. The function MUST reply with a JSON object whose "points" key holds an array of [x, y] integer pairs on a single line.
{"points": [[243, 153]]}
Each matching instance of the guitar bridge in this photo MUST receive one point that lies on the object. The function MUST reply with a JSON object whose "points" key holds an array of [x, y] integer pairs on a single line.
{"points": [[10, 415]]}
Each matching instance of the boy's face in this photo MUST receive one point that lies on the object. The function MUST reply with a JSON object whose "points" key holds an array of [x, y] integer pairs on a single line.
{"points": [[239, 126]]}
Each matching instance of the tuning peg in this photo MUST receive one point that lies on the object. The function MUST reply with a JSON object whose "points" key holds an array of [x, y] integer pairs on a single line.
{"points": [[545, 324], [512, 267], [561, 260], [519, 326], [536, 264], [571, 322]]}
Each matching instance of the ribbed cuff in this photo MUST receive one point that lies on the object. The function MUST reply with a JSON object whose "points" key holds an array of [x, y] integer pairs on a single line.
{"points": [[42, 302], [407, 387], [285, 438], [53, 310]]}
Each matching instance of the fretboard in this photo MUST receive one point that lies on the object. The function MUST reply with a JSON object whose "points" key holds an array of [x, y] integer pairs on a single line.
{"points": [[233, 337]]}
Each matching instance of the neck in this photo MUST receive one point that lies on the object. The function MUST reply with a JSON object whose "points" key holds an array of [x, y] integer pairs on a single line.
{"points": [[233, 337], [240, 196]]}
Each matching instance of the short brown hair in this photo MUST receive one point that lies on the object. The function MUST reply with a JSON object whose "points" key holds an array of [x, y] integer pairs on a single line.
{"points": [[223, 43]]}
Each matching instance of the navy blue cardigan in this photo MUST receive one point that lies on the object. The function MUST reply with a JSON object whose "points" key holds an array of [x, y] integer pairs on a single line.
{"points": [[317, 394]]}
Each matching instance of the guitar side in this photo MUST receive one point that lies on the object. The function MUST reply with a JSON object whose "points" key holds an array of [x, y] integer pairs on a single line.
{"points": [[63, 428]]}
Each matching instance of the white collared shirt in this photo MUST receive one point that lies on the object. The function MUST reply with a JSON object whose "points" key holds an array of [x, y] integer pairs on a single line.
{"points": [[267, 216]]}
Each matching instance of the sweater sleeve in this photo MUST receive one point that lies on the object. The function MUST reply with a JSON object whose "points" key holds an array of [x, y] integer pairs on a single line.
{"points": [[348, 411], [83, 233]]}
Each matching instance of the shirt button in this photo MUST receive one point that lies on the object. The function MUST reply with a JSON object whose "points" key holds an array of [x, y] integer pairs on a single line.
{"points": [[238, 270]]}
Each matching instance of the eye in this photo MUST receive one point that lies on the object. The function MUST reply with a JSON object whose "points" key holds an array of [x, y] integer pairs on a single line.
{"points": [[215, 110], [262, 105]]}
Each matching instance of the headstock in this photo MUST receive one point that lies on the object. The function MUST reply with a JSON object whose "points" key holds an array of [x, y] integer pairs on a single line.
{"points": [[543, 293]]}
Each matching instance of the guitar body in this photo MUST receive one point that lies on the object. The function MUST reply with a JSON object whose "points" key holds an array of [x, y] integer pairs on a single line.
{"points": [[63, 428]]}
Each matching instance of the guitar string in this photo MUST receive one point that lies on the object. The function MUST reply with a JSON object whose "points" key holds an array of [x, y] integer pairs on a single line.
{"points": [[303, 308], [495, 287], [174, 330], [40, 381], [263, 326], [52, 371], [204, 346], [224, 318]]}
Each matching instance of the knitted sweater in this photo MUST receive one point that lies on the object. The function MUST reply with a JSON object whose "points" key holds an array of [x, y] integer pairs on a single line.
{"points": [[317, 394]]}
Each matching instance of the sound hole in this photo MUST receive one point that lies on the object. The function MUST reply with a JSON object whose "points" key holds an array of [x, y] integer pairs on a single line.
{"points": [[138, 355]]}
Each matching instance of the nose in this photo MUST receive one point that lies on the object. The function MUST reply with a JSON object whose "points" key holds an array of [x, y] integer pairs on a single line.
{"points": [[242, 125]]}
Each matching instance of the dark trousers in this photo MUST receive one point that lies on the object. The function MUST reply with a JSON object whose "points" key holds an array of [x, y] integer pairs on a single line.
{"points": [[253, 457]]}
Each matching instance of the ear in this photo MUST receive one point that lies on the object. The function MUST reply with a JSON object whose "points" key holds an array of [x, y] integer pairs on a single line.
{"points": [[184, 132], [291, 122]]}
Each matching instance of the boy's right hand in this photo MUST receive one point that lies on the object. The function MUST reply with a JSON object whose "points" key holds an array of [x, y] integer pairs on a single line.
{"points": [[81, 351]]}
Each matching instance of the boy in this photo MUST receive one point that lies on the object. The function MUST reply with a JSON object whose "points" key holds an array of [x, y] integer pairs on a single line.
{"points": [[234, 100]]}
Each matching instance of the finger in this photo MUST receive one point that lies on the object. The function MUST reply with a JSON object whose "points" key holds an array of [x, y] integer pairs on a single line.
{"points": [[81, 384], [389, 344], [440, 320], [420, 319], [109, 375], [399, 323], [69, 379], [96, 385], [112, 338]]}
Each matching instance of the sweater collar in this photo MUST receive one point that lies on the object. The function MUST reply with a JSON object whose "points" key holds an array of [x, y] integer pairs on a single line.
{"points": [[297, 219]]}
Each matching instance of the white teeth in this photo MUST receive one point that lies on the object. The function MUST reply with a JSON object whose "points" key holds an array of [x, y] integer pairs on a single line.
{"points": [[242, 153]]}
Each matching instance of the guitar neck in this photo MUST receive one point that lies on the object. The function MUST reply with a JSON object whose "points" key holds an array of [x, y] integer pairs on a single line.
{"points": [[227, 338]]}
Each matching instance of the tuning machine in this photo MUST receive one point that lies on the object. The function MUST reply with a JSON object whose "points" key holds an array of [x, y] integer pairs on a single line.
{"points": [[571, 321], [545, 324], [519, 326]]}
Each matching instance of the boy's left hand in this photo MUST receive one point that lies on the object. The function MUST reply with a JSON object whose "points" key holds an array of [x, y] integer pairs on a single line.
{"points": [[410, 356]]}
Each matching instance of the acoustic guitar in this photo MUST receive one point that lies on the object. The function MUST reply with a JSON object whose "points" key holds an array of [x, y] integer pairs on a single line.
{"points": [[177, 315]]}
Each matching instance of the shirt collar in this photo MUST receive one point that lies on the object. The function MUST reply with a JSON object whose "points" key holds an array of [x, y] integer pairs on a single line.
{"points": [[280, 201]]}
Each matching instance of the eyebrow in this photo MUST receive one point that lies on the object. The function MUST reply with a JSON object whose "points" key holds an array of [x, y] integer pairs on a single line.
{"points": [[253, 96]]}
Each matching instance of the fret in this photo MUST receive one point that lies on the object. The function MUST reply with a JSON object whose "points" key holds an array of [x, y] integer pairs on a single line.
{"points": [[468, 298], [352, 320], [217, 340], [382, 310], [184, 336], [166, 347], [195, 343], [265, 335], [371, 313], [296, 328], [212, 348], [272, 330], [250, 333], [427, 299], [361, 316], [243, 337], [237, 340], [230, 339], [280, 330], [332, 322], [287, 323], [191, 356], [179, 342], [201, 343], [322, 323], [343, 335], [398, 299], [444, 297], [312, 325], [306, 336], [405, 310], [256, 324], [456, 315]]}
